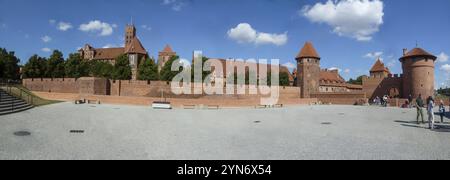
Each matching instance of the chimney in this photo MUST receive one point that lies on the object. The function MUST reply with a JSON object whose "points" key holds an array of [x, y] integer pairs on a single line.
{"points": [[405, 51]]}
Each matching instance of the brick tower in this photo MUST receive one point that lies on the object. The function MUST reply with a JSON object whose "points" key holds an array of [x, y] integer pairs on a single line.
{"points": [[130, 34], [308, 70], [418, 73], [165, 56]]}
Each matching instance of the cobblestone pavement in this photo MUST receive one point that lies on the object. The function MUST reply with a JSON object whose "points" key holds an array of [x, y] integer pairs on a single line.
{"points": [[303, 132]]}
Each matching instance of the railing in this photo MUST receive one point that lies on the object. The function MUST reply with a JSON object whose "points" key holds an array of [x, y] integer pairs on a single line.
{"points": [[15, 90]]}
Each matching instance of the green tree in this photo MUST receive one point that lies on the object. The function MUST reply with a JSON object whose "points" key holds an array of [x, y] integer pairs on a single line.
{"points": [[35, 67], [284, 79], [55, 65], [148, 70], [122, 68], [166, 72], [100, 69], [358, 81], [9, 65], [75, 67]]}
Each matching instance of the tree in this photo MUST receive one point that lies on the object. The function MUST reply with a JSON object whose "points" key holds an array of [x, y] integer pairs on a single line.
{"points": [[166, 72], [358, 81], [75, 67], [55, 65], [9, 65], [284, 79], [148, 70], [122, 68], [35, 67], [100, 69]]}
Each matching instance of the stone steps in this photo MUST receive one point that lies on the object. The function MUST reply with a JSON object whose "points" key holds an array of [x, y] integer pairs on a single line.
{"points": [[10, 104]]}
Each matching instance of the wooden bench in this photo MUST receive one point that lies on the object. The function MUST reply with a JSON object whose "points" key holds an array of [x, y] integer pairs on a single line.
{"points": [[213, 107]]}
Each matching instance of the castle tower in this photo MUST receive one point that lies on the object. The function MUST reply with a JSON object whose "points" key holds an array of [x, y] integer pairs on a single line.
{"points": [[379, 70], [130, 34], [308, 70], [165, 56], [418, 73]]}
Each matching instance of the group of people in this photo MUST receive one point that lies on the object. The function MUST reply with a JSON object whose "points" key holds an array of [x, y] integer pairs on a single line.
{"points": [[430, 105], [381, 101]]}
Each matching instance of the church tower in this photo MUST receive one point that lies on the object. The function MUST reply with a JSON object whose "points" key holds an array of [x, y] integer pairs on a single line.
{"points": [[308, 70], [130, 34]]}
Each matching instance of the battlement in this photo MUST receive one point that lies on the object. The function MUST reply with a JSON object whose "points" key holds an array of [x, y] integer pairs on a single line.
{"points": [[378, 78]]}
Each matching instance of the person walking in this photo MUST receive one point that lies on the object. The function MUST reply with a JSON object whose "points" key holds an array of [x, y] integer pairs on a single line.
{"points": [[430, 108], [419, 106], [442, 110]]}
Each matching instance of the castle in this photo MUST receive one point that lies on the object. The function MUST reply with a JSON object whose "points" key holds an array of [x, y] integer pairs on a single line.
{"points": [[417, 79], [133, 48]]}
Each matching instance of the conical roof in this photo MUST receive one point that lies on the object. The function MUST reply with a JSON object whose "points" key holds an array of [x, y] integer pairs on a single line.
{"points": [[379, 67], [418, 52], [308, 51], [167, 49]]}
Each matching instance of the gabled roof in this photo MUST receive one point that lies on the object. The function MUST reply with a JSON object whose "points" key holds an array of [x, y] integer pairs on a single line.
{"points": [[333, 76], [167, 49], [107, 53], [308, 51], [379, 67], [418, 52], [135, 46]]}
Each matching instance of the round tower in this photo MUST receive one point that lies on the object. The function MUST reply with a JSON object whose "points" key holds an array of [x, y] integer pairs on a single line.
{"points": [[308, 70], [418, 73]]}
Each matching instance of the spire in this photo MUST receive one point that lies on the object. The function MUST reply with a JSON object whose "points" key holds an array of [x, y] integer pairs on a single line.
{"points": [[308, 51]]}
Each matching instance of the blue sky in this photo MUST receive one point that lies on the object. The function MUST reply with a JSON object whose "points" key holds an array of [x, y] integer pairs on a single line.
{"points": [[349, 36]]}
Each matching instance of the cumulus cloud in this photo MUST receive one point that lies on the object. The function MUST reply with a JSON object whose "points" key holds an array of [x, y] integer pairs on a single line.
{"points": [[347, 71], [64, 26], [373, 55], [244, 33], [446, 68], [104, 29], [46, 49], [442, 57], [109, 46], [358, 19], [46, 39]]}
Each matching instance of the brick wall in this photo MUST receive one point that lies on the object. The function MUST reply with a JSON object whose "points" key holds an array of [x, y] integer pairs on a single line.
{"points": [[347, 98], [380, 86], [61, 85]]}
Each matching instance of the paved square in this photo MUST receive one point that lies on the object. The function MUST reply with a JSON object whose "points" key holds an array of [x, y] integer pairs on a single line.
{"points": [[304, 132]]}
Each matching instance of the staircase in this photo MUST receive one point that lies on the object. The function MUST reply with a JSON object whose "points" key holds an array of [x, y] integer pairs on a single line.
{"points": [[10, 104]]}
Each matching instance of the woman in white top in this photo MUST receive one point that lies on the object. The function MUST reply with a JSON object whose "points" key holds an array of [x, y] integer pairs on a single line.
{"points": [[430, 111]]}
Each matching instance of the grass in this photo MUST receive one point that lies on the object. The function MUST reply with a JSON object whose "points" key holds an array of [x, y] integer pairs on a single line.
{"points": [[28, 96]]}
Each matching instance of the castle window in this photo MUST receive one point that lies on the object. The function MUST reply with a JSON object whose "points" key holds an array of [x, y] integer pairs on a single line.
{"points": [[421, 85]]}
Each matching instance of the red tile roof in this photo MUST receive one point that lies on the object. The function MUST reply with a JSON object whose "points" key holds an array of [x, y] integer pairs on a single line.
{"points": [[167, 49], [379, 67], [135, 47], [418, 52], [107, 53], [308, 51], [332, 76]]}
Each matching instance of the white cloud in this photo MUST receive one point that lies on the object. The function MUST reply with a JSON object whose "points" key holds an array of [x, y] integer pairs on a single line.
{"points": [[358, 19], [146, 27], [46, 49], [64, 26], [291, 66], [114, 25], [244, 33], [347, 71], [446, 68], [335, 68], [176, 5], [46, 39], [373, 55], [109, 46], [105, 29], [442, 57]]}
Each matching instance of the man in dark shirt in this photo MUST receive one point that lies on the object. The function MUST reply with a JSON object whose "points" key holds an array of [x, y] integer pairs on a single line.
{"points": [[419, 103]]}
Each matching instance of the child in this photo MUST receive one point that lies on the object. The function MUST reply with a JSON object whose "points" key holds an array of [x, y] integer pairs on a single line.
{"points": [[442, 111]]}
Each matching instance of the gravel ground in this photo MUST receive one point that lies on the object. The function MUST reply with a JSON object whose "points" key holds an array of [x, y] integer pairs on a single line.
{"points": [[291, 133]]}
